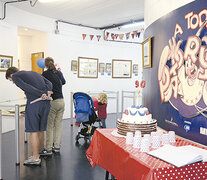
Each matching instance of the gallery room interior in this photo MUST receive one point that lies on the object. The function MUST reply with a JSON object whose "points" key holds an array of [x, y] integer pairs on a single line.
{"points": [[131, 76]]}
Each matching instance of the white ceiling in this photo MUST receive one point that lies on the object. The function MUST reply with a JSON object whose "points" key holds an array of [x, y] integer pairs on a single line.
{"points": [[95, 13]]}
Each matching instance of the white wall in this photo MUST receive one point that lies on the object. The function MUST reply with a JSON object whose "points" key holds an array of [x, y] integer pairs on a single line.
{"points": [[8, 46], [154, 9], [67, 46]]}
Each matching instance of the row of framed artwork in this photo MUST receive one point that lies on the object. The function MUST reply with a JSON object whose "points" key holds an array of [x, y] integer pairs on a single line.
{"points": [[89, 68]]}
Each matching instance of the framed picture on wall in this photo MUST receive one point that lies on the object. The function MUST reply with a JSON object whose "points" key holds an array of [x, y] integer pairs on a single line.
{"points": [[74, 65], [101, 67], [121, 68], [108, 67], [146, 53], [87, 67], [135, 68], [5, 62]]}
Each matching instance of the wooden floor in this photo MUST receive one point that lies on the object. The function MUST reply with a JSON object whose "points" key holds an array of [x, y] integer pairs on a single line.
{"points": [[70, 164]]}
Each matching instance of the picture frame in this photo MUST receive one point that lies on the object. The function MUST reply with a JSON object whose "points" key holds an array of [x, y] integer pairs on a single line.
{"points": [[74, 65], [108, 68], [5, 62], [135, 68], [121, 68], [101, 67], [87, 67], [146, 53]]}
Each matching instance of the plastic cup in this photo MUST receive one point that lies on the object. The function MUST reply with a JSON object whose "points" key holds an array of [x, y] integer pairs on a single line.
{"points": [[155, 142], [138, 133], [144, 147], [147, 136], [171, 136], [137, 141], [165, 139], [129, 138]]}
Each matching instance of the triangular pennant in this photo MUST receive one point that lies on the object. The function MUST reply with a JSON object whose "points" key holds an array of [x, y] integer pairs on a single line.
{"points": [[112, 36], [116, 36], [91, 37], [138, 34], [98, 37], [84, 36], [135, 33], [132, 36], [127, 35], [121, 36], [106, 36]]}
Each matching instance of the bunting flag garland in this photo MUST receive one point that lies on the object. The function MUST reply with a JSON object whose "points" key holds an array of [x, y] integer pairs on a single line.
{"points": [[84, 36], [98, 37], [127, 35], [121, 36], [91, 37], [114, 36]]}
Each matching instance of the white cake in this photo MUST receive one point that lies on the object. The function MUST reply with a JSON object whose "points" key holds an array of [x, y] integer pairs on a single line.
{"points": [[136, 118]]}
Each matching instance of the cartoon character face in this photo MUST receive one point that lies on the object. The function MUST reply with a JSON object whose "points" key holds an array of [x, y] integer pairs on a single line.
{"points": [[191, 71]]}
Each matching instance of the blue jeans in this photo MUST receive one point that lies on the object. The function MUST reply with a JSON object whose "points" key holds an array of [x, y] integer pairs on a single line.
{"points": [[103, 122]]}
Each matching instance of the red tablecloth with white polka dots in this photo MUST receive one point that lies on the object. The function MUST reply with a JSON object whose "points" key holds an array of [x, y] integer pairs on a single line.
{"points": [[127, 163]]}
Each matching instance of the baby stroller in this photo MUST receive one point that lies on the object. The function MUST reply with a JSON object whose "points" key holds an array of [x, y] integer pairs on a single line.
{"points": [[85, 114]]}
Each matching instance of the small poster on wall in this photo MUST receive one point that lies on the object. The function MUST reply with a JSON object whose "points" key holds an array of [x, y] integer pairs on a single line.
{"points": [[101, 67], [135, 68], [74, 65]]}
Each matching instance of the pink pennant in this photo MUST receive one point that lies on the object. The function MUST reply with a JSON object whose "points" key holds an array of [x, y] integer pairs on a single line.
{"points": [[84, 36], [121, 36], [106, 36]]}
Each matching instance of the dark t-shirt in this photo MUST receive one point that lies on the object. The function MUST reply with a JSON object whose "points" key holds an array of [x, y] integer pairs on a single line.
{"points": [[57, 81], [33, 84]]}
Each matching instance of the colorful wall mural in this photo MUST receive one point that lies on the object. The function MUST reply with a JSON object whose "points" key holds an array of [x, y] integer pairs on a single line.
{"points": [[177, 94]]}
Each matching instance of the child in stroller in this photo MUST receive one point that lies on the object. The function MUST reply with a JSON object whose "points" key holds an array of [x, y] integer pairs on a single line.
{"points": [[85, 115]]}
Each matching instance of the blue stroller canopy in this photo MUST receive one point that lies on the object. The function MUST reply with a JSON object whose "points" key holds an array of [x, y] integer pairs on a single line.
{"points": [[82, 103]]}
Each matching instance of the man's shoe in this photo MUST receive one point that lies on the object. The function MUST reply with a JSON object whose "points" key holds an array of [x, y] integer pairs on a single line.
{"points": [[31, 161], [56, 150], [45, 152]]}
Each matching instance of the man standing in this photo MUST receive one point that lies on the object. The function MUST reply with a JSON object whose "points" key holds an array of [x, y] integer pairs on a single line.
{"points": [[34, 86]]}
